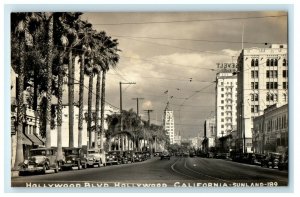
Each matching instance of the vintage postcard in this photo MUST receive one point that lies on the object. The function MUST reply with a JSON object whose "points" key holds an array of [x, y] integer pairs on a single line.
{"points": [[149, 99]]}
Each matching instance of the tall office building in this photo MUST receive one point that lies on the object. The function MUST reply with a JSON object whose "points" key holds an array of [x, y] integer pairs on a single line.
{"points": [[226, 95], [169, 125], [262, 81]]}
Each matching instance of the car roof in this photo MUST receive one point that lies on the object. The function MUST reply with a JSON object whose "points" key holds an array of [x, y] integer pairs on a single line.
{"points": [[42, 149]]}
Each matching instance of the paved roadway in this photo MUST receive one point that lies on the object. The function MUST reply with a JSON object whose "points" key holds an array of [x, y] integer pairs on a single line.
{"points": [[176, 172]]}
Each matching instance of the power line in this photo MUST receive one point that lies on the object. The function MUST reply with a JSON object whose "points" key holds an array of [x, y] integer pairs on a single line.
{"points": [[192, 20], [187, 39]]}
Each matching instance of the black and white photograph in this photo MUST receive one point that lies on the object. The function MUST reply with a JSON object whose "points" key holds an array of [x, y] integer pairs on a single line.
{"points": [[178, 99]]}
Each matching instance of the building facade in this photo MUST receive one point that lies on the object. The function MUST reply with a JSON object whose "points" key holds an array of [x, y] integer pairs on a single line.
{"points": [[226, 99], [262, 81], [169, 125], [270, 133], [210, 132]]}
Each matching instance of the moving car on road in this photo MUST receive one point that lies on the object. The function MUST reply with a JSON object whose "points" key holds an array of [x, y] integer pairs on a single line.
{"points": [[74, 157], [40, 160], [165, 155]]}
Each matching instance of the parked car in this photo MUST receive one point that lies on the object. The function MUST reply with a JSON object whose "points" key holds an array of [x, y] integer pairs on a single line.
{"points": [[186, 154], [256, 159], [211, 155], [74, 157], [96, 157], [115, 157], [165, 155], [192, 154], [147, 154], [247, 158], [271, 160], [283, 162], [129, 156], [40, 160], [237, 157], [157, 154], [139, 156]]}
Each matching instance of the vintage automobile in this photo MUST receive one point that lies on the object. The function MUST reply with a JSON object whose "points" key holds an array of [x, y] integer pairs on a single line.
{"points": [[113, 158], [74, 157], [139, 156], [165, 155], [256, 159], [40, 160], [157, 154], [271, 160], [283, 162], [128, 156], [96, 157]]}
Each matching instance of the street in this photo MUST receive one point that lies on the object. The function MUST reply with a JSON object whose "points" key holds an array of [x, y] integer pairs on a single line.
{"points": [[176, 172]]}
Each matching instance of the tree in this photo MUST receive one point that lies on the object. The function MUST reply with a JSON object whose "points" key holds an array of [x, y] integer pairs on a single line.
{"points": [[22, 28], [85, 35], [109, 58]]}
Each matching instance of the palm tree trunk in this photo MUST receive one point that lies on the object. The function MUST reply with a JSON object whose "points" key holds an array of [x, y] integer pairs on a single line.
{"points": [[59, 108], [90, 99], [102, 108], [71, 99], [20, 109], [49, 82], [81, 90], [97, 108]]}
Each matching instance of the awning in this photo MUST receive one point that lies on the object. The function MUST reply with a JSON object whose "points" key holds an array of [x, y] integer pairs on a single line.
{"points": [[34, 139], [25, 139]]}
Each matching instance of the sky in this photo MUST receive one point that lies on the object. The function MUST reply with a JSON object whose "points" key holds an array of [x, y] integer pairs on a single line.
{"points": [[177, 53]]}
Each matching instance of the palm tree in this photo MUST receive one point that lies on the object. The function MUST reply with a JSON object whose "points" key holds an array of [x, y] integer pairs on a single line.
{"points": [[49, 20], [110, 58], [20, 28], [90, 71], [85, 35]]}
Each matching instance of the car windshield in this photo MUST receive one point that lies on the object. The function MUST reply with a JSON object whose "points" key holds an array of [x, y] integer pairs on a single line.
{"points": [[72, 152], [40, 152]]}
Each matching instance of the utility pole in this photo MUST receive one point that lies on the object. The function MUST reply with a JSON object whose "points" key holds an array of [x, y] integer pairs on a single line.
{"points": [[121, 102], [137, 104], [148, 112]]}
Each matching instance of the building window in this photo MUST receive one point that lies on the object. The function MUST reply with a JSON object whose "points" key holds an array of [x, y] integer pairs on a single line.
{"points": [[272, 62], [222, 107], [254, 74], [256, 62], [284, 73], [268, 62], [256, 85], [222, 101], [222, 83], [222, 113], [252, 62], [222, 89], [222, 119], [284, 62], [284, 85], [256, 97], [271, 85], [252, 97], [252, 108], [268, 74], [284, 97], [222, 126], [276, 62], [222, 95]]}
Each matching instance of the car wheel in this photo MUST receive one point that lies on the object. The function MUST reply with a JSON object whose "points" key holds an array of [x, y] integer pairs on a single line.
{"points": [[84, 166], [56, 168], [45, 167], [79, 165], [21, 173]]}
